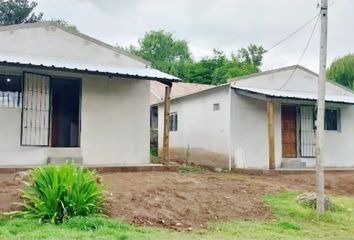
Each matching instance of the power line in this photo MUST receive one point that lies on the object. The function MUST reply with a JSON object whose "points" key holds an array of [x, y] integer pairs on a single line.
{"points": [[301, 56], [293, 33]]}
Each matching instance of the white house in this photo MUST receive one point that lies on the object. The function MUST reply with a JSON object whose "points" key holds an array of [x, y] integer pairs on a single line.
{"points": [[67, 95], [262, 121]]}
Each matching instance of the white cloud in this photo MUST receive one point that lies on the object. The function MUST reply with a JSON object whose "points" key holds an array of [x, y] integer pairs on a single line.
{"points": [[223, 24]]}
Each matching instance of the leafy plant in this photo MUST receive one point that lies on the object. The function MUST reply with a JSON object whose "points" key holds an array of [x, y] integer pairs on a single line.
{"points": [[56, 193]]}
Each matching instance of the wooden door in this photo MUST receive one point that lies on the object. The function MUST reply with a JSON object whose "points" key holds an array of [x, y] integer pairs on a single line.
{"points": [[288, 131]]}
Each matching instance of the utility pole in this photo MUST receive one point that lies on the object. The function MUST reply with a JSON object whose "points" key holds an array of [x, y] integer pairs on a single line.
{"points": [[321, 110]]}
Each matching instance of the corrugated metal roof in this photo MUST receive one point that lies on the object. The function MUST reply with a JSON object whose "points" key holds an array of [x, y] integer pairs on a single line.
{"points": [[83, 66], [296, 94], [179, 89]]}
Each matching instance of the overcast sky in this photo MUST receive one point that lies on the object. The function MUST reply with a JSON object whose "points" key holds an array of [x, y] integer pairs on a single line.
{"points": [[206, 24]]}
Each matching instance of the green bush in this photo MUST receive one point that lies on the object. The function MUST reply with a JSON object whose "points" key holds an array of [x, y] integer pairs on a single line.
{"points": [[56, 193]]}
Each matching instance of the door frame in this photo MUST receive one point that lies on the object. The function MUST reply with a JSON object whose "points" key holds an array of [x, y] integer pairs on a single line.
{"points": [[79, 80], [296, 128], [50, 77]]}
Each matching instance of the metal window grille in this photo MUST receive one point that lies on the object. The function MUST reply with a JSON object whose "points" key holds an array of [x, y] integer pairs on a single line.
{"points": [[307, 132], [35, 110], [10, 91], [173, 122]]}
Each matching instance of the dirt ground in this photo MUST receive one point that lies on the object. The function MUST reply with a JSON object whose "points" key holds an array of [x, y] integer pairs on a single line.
{"points": [[191, 200]]}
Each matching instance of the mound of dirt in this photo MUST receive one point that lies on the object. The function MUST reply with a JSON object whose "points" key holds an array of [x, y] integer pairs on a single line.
{"points": [[184, 201]]}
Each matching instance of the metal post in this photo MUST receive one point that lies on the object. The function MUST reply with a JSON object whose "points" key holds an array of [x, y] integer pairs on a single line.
{"points": [[321, 110]]}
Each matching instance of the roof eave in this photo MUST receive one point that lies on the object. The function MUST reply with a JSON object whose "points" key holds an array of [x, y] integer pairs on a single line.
{"points": [[86, 71]]}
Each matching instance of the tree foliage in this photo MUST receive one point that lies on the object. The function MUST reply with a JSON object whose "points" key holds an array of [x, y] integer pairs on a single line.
{"points": [[18, 11], [342, 71], [162, 50], [173, 56]]}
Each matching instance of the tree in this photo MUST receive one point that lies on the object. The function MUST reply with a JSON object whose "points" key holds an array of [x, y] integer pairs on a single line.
{"points": [[252, 55], [342, 71], [168, 54], [162, 50], [18, 11], [218, 68]]}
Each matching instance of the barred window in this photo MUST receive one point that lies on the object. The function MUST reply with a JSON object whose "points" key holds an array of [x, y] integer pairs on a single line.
{"points": [[10, 91], [173, 122]]}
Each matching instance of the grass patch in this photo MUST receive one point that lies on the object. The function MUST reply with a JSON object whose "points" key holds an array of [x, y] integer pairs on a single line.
{"points": [[291, 221], [191, 169]]}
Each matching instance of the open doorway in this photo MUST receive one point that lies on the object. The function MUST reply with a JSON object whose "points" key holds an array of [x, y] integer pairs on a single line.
{"points": [[65, 112]]}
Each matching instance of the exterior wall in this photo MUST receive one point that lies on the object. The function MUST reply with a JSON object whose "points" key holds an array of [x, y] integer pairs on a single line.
{"points": [[249, 132], [203, 134], [115, 121], [50, 41], [338, 145], [114, 125]]}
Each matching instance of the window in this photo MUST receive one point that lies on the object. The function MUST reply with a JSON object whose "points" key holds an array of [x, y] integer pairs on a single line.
{"points": [[10, 91], [154, 117], [331, 121], [216, 107], [173, 122]]}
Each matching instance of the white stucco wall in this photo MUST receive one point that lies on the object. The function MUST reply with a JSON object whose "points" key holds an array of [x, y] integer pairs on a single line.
{"points": [[115, 121], [50, 41], [114, 125], [338, 145], [203, 134], [249, 132]]}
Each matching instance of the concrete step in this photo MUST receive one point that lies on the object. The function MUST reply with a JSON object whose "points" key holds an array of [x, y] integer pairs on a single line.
{"points": [[293, 163]]}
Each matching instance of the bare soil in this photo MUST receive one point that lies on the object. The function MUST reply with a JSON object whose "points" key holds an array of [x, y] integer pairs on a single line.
{"points": [[182, 201]]}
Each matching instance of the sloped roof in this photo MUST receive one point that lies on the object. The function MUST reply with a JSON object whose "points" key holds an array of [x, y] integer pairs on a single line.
{"points": [[19, 57], [179, 89], [295, 82]]}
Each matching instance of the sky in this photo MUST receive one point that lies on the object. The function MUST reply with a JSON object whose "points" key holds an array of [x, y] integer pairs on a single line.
{"points": [[226, 25]]}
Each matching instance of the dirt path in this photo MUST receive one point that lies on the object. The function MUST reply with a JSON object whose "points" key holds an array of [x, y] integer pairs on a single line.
{"points": [[176, 200]]}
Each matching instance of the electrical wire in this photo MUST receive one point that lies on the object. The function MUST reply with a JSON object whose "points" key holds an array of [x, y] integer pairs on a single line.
{"points": [[302, 54], [293, 33]]}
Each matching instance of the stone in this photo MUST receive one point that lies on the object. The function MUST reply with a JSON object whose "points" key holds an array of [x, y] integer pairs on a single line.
{"points": [[308, 199]]}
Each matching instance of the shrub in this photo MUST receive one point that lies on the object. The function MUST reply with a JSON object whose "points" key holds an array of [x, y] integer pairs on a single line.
{"points": [[56, 193]]}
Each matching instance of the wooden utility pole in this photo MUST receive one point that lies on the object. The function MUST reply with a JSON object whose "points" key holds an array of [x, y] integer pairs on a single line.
{"points": [[166, 127], [270, 116], [321, 110]]}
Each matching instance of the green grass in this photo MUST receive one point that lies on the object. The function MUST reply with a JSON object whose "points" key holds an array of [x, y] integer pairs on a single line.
{"points": [[291, 221], [191, 169]]}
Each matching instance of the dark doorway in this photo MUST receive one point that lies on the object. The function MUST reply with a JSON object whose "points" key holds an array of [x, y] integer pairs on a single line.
{"points": [[65, 97], [288, 131]]}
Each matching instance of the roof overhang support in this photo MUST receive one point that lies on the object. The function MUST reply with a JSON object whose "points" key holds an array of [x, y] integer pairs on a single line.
{"points": [[271, 144], [166, 125]]}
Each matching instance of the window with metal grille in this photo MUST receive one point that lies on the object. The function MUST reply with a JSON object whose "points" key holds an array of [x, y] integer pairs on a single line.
{"points": [[10, 91], [173, 122], [35, 110], [332, 119]]}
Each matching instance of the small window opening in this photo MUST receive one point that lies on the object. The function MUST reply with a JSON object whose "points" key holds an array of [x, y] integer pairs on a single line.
{"points": [[10, 91], [173, 122], [216, 107], [331, 121]]}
